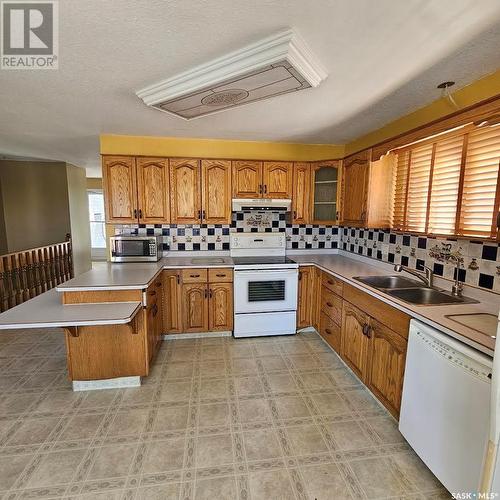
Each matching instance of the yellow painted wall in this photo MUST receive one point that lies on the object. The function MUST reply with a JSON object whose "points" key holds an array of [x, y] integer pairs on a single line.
{"points": [[477, 91], [216, 148]]}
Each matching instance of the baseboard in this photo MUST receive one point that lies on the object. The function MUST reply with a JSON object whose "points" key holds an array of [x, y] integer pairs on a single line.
{"points": [[177, 336]]}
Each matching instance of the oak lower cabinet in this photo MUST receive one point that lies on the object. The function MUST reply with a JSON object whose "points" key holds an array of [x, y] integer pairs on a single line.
{"points": [[374, 341], [194, 307], [154, 323], [305, 296], [198, 300], [220, 312], [172, 300], [386, 365], [330, 300], [354, 342]]}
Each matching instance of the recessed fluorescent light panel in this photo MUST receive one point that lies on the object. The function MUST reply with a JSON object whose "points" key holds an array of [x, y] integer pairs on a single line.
{"points": [[277, 65]]}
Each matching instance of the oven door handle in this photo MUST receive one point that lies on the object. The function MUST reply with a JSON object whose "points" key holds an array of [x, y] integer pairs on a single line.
{"points": [[282, 271]]}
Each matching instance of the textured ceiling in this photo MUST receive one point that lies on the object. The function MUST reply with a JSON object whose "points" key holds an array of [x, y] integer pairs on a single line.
{"points": [[384, 60]]}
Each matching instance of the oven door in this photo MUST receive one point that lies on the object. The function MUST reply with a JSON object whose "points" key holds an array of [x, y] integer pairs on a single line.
{"points": [[265, 290]]}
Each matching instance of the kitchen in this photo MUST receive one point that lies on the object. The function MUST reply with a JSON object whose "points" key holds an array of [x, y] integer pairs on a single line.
{"points": [[273, 320]]}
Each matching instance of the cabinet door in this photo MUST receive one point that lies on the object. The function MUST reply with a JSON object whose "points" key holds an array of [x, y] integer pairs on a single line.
{"points": [[277, 179], [185, 199], [316, 303], [158, 315], [354, 342], [195, 307], [220, 312], [386, 364], [305, 299], [216, 191], [301, 191], [120, 188], [172, 310], [325, 191], [356, 171], [153, 190], [247, 179]]}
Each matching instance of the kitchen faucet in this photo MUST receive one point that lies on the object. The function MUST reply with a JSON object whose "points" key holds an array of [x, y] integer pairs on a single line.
{"points": [[427, 279]]}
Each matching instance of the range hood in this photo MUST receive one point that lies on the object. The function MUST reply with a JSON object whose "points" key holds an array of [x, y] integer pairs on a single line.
{"points": [[262, 204]]}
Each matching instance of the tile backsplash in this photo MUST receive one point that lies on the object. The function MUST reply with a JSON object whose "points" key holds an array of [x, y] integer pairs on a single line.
{"points": [[216, 236], [479, 261]]}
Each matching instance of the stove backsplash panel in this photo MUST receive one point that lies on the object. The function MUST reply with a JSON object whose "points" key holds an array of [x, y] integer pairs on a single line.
{"points": [[216, 237], [480, 260]]}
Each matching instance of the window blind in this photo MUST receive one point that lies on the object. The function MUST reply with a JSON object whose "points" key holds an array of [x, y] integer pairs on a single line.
{"points": [[418, 188], [450, 185], [480, 181], [445, 186]]}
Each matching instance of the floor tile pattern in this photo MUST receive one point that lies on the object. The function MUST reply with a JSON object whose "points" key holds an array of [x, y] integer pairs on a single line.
{"points": [[247, 419]]}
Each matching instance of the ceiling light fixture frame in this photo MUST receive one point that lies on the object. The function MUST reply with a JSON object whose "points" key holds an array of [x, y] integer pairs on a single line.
{"points": [[286, 45]]}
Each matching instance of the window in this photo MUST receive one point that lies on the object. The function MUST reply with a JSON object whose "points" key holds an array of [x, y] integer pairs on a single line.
{"points": [[449, 185], [96, 218]]}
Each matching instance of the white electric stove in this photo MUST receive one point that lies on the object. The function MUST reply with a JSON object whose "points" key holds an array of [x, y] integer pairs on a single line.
{"points": [[265, 285]]}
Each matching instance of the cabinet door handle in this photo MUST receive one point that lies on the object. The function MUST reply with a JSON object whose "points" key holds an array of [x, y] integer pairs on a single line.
{"points": [[369, 331], [203, 214], [365, 326], [178, 279], [300, 275], [194, 275], [135, 213], [329, 304], [260, 188], [211, 293], [158, 284], [152, 292], [498, 220], [295, 214], [140, 213], [328, 331], [330, 282], [155, 310], [206, 292], [199, 214], [265, 188]]}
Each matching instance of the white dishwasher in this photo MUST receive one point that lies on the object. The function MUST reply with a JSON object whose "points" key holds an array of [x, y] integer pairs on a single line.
{"points": [[446, 406]]}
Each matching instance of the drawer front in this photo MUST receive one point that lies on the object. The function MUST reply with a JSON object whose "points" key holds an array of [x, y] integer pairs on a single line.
{"points": [[194, 275], [330, 331], [220, 275], [331, 305], [332, 283]]}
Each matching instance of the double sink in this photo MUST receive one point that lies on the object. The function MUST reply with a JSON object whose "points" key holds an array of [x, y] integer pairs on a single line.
{"points": [[412, 291]]}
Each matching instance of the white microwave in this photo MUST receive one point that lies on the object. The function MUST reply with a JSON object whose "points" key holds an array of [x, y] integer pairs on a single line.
{"points": [[136, 248]]}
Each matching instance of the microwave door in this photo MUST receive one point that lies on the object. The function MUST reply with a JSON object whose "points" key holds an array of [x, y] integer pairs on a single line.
{"points": [[131, 248]]}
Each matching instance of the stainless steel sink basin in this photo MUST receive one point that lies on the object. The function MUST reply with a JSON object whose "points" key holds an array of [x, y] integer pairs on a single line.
{"points": [[389, 282], [427, 296]]}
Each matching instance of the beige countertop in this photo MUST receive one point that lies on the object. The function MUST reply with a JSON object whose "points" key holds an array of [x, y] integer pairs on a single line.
{"points": [[47, 311], [135, 275], [125, 276], [347, 268]]}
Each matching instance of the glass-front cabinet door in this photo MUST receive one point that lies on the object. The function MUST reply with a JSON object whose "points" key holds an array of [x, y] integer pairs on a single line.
{"points": [[325, 181]]}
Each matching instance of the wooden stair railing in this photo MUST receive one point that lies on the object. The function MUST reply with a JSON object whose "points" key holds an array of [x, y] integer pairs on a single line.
{"points": [[26, 274]]}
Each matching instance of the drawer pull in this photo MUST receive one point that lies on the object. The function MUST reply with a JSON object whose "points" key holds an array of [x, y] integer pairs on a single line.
{"points": [[329, 304], [194, 275], [152, 292], [328, 331], [330, 282], [220, 275], [158, 284]]}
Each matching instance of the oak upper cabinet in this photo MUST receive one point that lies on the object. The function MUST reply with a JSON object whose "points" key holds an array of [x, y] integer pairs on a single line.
{"points": [[153, 190], [356, 170], [305, 296], [386, 364], [195, 307], [220, 312], [247, 179], [354, 342], [216, 191], [325, 192], [120, 188], [277, 179], [185, 196], [172, 301], [301, 193], [368, 189]]}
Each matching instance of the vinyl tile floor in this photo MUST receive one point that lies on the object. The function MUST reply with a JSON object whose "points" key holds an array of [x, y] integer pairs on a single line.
{"points": [[218, 418]]}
